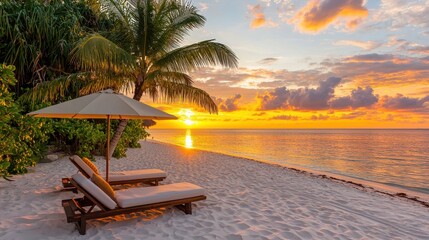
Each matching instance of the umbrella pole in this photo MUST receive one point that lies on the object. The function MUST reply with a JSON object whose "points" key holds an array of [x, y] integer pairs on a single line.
{"points": [[108, 148]]}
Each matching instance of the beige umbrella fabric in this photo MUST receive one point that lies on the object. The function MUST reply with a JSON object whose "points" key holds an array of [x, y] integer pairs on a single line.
{"points": [[103, 105]]}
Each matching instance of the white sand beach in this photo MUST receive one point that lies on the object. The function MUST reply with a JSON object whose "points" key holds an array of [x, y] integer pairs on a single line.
{"points": [[245, 200]]}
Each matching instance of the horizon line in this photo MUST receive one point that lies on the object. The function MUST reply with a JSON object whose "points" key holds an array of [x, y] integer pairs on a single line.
{"points": [[289, 129]]}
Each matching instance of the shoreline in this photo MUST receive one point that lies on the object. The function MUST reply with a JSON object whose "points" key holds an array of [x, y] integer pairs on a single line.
{"points": [[418, 197]]}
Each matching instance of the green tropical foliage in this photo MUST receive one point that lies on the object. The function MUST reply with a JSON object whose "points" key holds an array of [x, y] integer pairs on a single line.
{"points": [[82, 137], [37, 37], [134, 132], [22, 138], [65, 49], [88, 137]]}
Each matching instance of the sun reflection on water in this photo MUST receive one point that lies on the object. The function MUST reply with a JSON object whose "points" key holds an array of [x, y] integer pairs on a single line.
{"points": [[397, 157], [188, 139]]}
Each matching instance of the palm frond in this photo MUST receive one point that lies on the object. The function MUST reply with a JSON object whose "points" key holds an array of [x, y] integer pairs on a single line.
{"points": [[97, 53], [51, 91], [122, 9], [175, 77], [194, 56], [174, 22], [122, 14], [144, 28], [118, 83], [171, 92]]}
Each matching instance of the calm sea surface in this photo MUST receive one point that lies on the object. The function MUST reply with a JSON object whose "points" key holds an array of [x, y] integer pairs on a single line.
{"points": [[397, 158]]}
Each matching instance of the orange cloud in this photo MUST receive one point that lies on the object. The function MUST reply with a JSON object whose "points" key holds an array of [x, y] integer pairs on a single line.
{"points": [[317, 15], [258, 17]]}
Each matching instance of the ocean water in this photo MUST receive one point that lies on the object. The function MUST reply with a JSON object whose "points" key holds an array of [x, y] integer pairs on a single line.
{"points": [[398, 158]]}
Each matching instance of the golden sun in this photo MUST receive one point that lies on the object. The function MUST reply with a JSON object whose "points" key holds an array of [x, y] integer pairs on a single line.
{"points": [[186, 115], [188, 122]]}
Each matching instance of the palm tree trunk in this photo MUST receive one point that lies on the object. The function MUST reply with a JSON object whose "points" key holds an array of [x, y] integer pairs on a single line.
{"points": [[138, 93], [118, 133]]}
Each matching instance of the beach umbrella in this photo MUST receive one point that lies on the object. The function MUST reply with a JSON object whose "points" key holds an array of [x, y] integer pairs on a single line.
{"points": [[103, 105]]}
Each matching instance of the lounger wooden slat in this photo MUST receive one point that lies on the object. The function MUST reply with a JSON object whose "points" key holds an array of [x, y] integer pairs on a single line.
{"points": [[74, 215]]}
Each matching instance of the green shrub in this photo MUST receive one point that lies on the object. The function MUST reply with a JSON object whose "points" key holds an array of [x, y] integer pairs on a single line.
{"points": [[131, 136], [22, 138], [8, 110], [87, 137], [80, 136]]}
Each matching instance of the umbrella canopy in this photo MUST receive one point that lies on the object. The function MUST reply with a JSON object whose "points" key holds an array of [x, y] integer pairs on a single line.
{"points": [[103, 105], [100, 105]]}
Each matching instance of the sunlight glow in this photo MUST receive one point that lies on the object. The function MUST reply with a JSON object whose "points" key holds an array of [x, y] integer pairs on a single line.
{"points": [[188, 122], [186, 115], [188, 139]]}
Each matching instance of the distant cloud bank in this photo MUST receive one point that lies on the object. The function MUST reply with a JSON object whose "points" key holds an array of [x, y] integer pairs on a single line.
{"points": [[228, 104]]}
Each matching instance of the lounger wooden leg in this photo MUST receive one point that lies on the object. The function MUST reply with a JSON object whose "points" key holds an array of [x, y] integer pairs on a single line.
{"points": [[67, 186], [81, 226], [188, 208], [156, 182]]}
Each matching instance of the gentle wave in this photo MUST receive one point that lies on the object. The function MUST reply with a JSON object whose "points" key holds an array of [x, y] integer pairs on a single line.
{"points": [[398, 158]]}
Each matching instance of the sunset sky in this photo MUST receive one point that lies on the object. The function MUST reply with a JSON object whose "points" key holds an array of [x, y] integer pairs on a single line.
{"points": [[314, 64]]}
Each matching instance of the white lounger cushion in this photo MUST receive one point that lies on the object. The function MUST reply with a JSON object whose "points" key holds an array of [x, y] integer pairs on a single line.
{"points": [[94, 190], [83, 165], [123, 175], [135, 174], [146, 195]]}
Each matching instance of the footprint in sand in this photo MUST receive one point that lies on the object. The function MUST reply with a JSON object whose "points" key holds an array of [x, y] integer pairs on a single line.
{"points": [[233, 237], [26, 220]]}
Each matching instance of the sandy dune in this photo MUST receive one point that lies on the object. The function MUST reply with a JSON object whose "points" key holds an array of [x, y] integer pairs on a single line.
{"points": [[246, 200]]}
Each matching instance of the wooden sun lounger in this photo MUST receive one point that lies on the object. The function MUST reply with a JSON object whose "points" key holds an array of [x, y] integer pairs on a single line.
{"points": [[67, 186], [80, 210]]}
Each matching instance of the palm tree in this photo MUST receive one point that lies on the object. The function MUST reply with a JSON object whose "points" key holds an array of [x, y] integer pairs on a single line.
{"points": [[144, 53]]}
